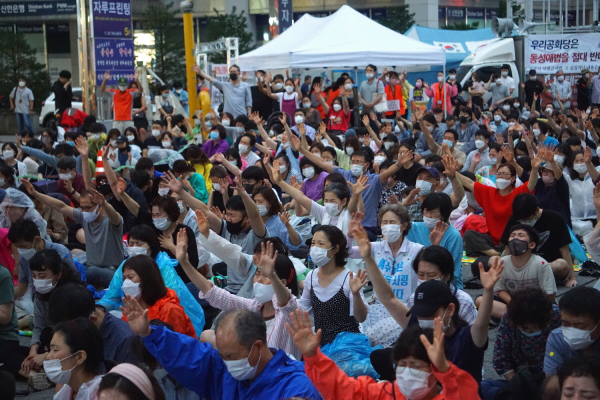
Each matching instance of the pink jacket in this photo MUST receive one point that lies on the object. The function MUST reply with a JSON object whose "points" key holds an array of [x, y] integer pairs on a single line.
{"points": [[435, 92]]}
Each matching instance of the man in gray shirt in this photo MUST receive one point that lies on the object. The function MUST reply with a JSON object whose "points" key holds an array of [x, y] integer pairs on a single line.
{"points": [[21, 101], [369, 88], [103, 228], [499, 91], [237, 94]]}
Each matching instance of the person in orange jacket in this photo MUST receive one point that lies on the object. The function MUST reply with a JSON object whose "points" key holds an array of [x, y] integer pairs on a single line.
{"points": [[393, 91], [436, 93], [422, 370], [142, 280]]}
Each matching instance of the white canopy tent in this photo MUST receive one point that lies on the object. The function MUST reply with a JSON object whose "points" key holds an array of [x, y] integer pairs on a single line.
{"points": [[346, 38]]}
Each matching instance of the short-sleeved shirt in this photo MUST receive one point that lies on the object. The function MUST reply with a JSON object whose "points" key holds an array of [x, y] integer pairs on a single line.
{"points": [[553, 231], [252, 158], [314, 189], [555, 197], [558, 351], [498, 92], [9, 331], [21, 97], [370, 196], [367, 90], [409, 175], [550, 141], [338, 121], [498, 209], [536, 273], [123, 102], [104, 241]]}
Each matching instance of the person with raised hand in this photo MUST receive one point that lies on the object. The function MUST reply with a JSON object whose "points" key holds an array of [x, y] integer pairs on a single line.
{"points": [[244, 367], [466, 343], [422, 369], [272, 295]]}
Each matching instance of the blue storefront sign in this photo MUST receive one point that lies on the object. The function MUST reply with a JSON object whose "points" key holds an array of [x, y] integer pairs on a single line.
{"points": [[111, 19], [116, 56], [284, 15], [37, 8]]}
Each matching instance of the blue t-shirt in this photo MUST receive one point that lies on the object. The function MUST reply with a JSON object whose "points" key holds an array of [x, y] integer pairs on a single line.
{"points": [[558, 351], [550, 141], [452, 241], [370, 196], [461, 350]]}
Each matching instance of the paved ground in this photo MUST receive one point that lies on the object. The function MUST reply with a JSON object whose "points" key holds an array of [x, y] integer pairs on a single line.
{"points": [[489, 372]]}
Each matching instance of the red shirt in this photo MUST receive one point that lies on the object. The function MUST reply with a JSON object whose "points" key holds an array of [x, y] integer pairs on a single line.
{"points": [[498, 209], [123, 102], [338, 121]]}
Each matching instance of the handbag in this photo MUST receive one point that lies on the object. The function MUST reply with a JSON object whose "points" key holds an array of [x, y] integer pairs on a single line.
{"points": [[382, 106]]}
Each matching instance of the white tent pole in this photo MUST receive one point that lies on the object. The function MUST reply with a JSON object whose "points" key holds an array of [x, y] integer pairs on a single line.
{"points": [[444, 89]]}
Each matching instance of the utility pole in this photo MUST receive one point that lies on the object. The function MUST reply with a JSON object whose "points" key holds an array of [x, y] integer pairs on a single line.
{"points": [[186, 7]]}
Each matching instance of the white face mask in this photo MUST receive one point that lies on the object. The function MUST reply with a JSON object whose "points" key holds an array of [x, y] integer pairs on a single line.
{"points": [[166, 144], [263, 293], [308, 172], [306, 105], [332, 209], [130, 138], [516, 105], [271, 133], [137, 251], [241, 370], [131, 288], [504, 73], [163, 191], [289, 89], [497, 118], [263, 210], [440, 78], [216, 187], [560, 78], [26, 253], [392, 232], [397, 128], [226, 122], [578, 339], [298, 119], [318, 255], [413, 383], [243, 148], [537, 132], [54, 371], [181, 206], [348, 86], [21, 84], [337, 107], [370, 75], [356, 170], [480, 144], [549, 111], [113, 143], [279, 86], [388, 145], [502, 183], [430, 222], [380, 159], [532, 77], [506, 107], [559, 159], [64, 177], [511, 124], [349, 150], [155, 133], [282, 169], [43, 285], [580, 168], [452, 77], [425, 187], [95, 137], [161, 223], [8, 154], [90, 216]]}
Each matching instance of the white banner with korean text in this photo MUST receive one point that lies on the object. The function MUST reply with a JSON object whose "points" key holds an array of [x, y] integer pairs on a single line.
{"points": [[570, 53]]}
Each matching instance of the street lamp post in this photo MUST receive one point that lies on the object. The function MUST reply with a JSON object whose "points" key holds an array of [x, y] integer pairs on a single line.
{"points": [[186, 7]]}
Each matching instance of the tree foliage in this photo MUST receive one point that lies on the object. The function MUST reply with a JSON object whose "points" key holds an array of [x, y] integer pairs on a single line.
{"points": [[398, 19], [229, 25], [169, 61], [461, 26], [17, 59]]}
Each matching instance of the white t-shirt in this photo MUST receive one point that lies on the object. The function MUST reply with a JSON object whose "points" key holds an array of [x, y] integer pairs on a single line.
{"points": [[509, 82], [537, 273], [286, 96], [326, 293], [251, 158]]}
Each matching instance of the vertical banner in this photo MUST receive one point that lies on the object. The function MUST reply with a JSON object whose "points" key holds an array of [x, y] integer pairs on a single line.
{"points": [[284, 14], [112, 40]]}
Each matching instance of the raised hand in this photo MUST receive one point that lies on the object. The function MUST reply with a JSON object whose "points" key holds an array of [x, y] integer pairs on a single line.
{"points": [[293, 180], [405, 156], [412, 197], [450, 165], [29, 187], [302, 334], [435, 350], [69, 185], [107, 75], [170, 179], [218, 157], [295, 141], [266, 263], [438, 232], [488, 279], [360, 185], [537, 160], [373, 116], [322, 128], [82, 147], [508, 156], [202, 222], [136, 316], [121, 186], [476, 158], [217, 211], [97, 197], [359, 281], [393, 199], [587, 155], [285, 218], [317, 88], [355, 221], [182, 246], [362, 239], [224, 183], [365, 120], [276, 173], [418, 113]]}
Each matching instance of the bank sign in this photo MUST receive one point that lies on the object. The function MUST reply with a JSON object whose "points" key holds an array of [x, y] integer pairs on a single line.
{"points": [[37, 8]]}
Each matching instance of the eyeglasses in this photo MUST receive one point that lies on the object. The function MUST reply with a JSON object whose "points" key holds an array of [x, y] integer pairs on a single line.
{"points": [[504, 174]]}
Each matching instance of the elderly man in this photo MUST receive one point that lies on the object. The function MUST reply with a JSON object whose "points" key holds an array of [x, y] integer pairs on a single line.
{"points": [[561, 91], [242, 366]]}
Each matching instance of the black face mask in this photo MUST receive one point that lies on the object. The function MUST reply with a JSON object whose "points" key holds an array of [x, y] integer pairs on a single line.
{"points": [[249, 188], [233, 76], [463, 120], [235, 227], [518, 247], [124, 150]]}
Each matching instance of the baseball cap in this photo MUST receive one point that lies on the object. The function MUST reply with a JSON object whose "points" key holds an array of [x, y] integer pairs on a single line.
{"points": [[122, 139], [350, 132], [532, 72], [432, 170], [585, 71], [429, 297], [123, 81]]}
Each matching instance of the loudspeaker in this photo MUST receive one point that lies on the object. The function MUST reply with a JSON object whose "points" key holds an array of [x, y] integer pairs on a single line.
{"points": [[502, 26]]}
